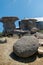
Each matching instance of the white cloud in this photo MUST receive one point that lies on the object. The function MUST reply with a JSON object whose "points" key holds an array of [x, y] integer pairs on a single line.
{"points": [[38, 18]]}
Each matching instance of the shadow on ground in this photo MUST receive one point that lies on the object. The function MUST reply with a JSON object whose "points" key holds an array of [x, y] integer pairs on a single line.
{"points": [[24, 60], [3, 42], [40, 55]]}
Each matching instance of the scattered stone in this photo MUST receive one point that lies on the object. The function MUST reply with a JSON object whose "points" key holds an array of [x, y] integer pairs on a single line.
{"points": [[40, 50], [26, 46], [34, 30], [3, 40], [38, 35], [41, 43]]}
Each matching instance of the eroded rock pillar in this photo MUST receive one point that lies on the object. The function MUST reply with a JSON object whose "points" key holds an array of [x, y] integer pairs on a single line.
{"points": [[9, 27]]}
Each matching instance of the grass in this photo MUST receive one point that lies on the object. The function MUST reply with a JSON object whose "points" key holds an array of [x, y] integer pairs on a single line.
{"points": [[41, 31], [0, 33]]}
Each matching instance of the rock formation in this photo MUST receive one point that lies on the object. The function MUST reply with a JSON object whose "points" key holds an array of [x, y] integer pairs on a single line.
{"points": [[26, 46], [27, 24], [8, 24], [39, 35], [34, 30]]}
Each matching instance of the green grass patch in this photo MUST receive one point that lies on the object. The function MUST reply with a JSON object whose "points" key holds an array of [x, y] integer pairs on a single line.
{"points": [[41, 31], [1, 34]]}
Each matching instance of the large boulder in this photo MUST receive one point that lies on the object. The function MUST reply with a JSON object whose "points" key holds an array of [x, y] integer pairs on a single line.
{"points": [[39, 35], [26, 46], [34, 30]]}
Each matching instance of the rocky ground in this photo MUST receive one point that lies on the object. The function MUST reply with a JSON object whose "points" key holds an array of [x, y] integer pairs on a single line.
{"points": [[7, 57]]}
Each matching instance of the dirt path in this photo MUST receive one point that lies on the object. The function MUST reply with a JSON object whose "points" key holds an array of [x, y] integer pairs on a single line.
{"points": [[7, 57]]}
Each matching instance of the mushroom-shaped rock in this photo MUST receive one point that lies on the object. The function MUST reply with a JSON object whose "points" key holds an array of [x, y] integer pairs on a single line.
{"points": [[39, 35], [26, 46], [34, 30]]}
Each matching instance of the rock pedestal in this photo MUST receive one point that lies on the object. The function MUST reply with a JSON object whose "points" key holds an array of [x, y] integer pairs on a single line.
{"points": [[27, 24], [8, 24], [9, 27]]}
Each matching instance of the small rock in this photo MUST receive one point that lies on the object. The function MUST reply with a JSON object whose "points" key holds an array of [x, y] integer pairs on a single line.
{"points": [[3, 40], [34, 30], [40, 50], [39, 35]]}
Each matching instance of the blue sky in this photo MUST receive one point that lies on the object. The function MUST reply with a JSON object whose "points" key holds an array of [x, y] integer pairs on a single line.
{"points": [[21, 8]]}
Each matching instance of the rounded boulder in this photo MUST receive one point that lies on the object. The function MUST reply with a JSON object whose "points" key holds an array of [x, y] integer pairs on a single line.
{"points": [[34, 30], [39, 35], [26, 46], [3, 40]]}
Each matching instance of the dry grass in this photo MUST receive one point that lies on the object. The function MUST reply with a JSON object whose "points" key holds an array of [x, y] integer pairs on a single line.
{"points": [[7, 57]]}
